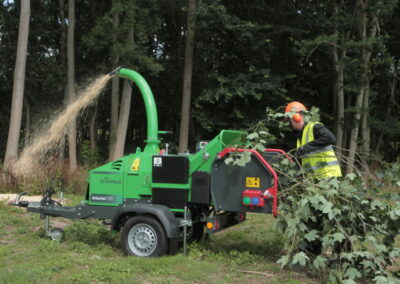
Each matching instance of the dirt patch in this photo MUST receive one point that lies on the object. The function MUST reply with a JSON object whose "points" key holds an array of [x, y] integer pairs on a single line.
{"points": [[60, 223], [395, 266]]}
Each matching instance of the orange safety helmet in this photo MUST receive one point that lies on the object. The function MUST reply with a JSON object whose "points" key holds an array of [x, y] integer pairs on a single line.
{"points": [[295, 107]]}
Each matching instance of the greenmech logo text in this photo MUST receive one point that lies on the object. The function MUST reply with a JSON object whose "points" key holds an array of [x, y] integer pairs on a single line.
{"points": [[108, 180]]}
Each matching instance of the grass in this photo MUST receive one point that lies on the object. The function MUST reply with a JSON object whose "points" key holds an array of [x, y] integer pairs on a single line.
{"points": [[90, 253]]}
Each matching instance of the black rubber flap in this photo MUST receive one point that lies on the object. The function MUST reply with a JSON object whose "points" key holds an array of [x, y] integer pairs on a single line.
{"points": [[229, 182]]}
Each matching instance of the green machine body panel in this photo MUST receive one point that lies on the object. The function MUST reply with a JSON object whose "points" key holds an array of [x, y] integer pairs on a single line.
{"points": [[138, 176], [106, 184], [203, 159], [130, 179]]}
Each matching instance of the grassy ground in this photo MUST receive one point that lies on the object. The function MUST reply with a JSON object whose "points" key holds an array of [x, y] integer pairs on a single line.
{"points": [[90, 253]]}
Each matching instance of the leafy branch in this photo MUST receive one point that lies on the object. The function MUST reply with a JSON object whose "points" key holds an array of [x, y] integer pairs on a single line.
{"points": [[343, 229]]}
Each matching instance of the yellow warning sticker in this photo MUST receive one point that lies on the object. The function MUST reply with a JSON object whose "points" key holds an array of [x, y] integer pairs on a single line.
{"points": [[135, 165], [252, 182]]}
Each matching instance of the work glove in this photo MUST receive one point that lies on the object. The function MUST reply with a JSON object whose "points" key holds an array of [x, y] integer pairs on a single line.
{"points": [[298, 152]]}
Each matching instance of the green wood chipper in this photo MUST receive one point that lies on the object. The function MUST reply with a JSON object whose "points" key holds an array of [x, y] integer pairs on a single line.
{"points": [[160, 200]]}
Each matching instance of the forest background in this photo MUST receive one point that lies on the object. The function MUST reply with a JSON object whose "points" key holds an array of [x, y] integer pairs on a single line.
{"points": [[229, 60]]}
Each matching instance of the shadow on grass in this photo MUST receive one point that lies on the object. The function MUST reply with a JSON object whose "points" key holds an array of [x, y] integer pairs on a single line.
{"points": [[265, 248]]}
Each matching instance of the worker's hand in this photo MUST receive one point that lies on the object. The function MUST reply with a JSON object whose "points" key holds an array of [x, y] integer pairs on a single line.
{"points": [[298, 152]]}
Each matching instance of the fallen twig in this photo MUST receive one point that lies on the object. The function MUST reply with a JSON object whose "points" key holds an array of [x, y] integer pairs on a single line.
{"points": [[256, 272]]}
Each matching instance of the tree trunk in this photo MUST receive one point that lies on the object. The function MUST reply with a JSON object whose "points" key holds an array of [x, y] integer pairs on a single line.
{"points": [[365, 128], [27, 107], [347, 124], [393, 87], [123, 120], [124, 112], [187, 78], [114, 85], [63, 60], [92, 130], [360, 97], [339, 83], [18, 85], [73, 165]]}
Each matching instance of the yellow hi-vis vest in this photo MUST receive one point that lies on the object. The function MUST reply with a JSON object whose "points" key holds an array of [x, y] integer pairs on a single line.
{"points": [[321, 163]]}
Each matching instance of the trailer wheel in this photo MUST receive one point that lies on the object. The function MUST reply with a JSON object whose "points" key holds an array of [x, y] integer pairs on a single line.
{"points": [[56, 234], [144, 236]]}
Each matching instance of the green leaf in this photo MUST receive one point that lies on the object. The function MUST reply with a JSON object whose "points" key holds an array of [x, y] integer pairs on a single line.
{"points": [[328, 210], [346, 255], [373, 218], [300, 258], [394, 253], [381, 248], [252, 136], [352, 273], [351, 176], [349, 281], [336, 212], [229, 161], [394, 214], [367, 264], [304, 212], [302, 227], [311, 236], [259, 147], [338, 237], [319, 262], [283, 261], [381, 280], [376, 204], [303, 202], [327, 241]]}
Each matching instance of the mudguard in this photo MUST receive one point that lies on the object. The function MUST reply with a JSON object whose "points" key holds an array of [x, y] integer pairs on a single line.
{"points": [[163, 213]]}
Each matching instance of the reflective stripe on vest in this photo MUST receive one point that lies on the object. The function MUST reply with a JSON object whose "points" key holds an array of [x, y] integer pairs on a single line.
{"points": [[326, 149], [320, 163]]}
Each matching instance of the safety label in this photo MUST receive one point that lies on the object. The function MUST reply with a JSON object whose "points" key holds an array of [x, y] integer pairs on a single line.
{"points": [[157, 162], [135, 165], [252, 182]]}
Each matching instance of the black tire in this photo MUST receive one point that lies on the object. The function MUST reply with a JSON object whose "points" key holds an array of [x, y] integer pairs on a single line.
{"points": [[144, 236], [196, 232]]}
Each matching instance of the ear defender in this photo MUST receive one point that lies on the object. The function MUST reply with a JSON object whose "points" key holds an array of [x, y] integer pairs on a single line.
{"points": [[298, 108], [297, 117]]}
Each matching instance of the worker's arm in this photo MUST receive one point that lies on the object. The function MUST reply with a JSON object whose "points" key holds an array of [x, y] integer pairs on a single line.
{"points": [[322, 137]]}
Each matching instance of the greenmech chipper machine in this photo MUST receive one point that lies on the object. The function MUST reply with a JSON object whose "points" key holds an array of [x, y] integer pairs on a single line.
{"points": [[160, 200]]}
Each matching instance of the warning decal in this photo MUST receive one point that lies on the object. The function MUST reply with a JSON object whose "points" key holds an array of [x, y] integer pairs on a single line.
{"points": [[252, 182], [135, 165]]}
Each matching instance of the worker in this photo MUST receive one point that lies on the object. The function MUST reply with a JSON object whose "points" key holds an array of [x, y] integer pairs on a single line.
{"points": [[314, 147], [314, 144]]}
